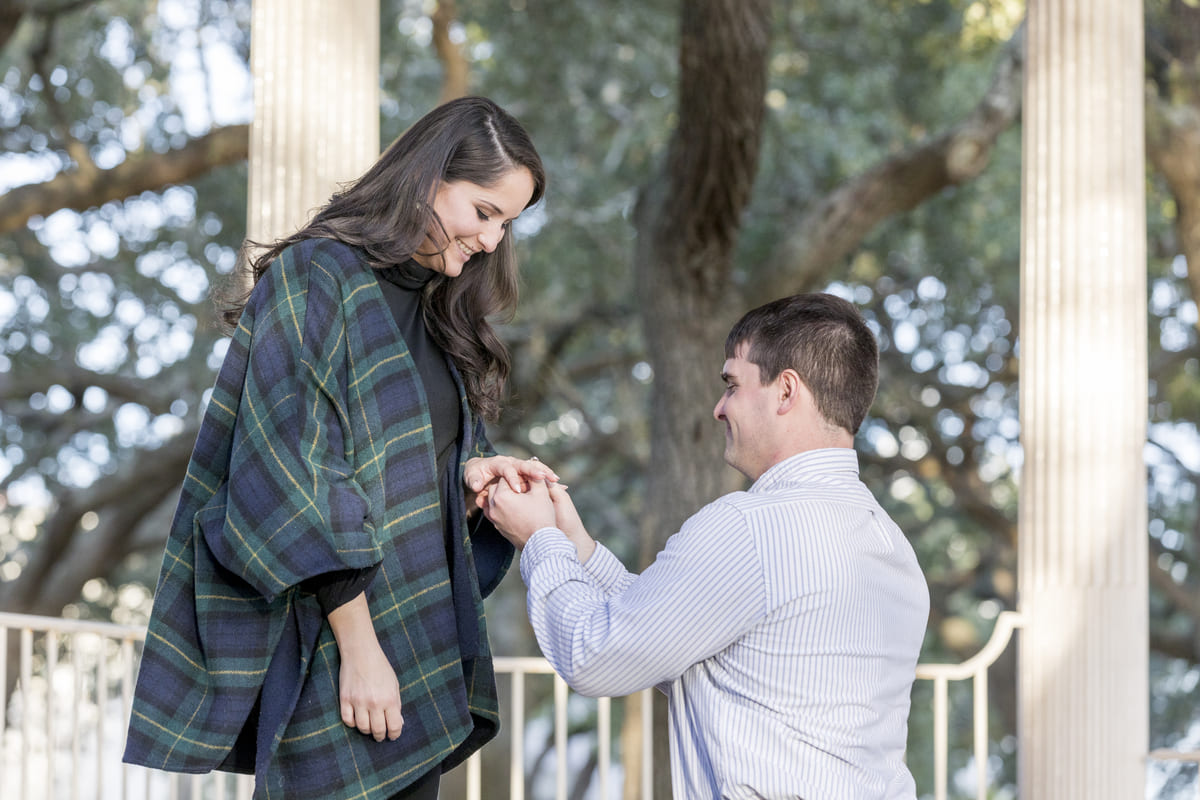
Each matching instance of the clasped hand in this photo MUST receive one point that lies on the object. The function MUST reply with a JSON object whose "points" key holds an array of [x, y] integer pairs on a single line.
{"points": [[482, 473], [505, 478], [519, 515]]}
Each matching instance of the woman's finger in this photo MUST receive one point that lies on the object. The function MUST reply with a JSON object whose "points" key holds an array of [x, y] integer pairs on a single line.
{"points": [[395, 722], [379, 725], [363, 718]]}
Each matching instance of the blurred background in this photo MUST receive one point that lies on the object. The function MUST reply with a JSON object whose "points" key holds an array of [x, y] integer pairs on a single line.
{"points": [[124, 126]]}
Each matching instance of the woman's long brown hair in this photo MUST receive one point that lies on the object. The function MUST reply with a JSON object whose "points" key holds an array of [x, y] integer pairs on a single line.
{"points": [[388, 212]]}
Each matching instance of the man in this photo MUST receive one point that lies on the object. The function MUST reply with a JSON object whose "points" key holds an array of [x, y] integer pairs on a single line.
{"points": [[783, 622]]}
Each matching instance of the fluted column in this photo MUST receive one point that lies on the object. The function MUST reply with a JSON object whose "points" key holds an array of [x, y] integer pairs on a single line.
{"points": [[316, 106], [1083, 400]]}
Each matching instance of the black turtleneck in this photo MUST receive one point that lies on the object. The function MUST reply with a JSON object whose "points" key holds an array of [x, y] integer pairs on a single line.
{"points": [[401, 286]]}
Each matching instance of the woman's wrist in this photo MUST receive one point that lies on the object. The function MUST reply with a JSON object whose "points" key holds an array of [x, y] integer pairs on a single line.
{"points": [[351, 625]]}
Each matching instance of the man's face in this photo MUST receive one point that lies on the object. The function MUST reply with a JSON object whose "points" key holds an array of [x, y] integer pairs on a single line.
{"points": [[748, 408]]}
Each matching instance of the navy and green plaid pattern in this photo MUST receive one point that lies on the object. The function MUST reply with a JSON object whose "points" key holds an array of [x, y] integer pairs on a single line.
{"points": [[316, 454]]}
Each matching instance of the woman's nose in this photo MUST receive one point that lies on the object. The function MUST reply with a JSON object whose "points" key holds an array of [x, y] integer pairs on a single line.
{"points": [[490, 238]]}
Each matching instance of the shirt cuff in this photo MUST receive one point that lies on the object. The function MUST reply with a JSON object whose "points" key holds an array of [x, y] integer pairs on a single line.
{"points": [[605, 568], [554, 559], [545, 545]]}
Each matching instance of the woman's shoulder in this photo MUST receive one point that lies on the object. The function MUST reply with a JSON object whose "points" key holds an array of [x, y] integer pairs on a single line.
{"points": [[325, 272], [327, 254], [327, 265]]}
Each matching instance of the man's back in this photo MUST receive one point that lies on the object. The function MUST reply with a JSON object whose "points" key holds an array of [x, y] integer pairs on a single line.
{"points": [[783, 622], [813, 700]]}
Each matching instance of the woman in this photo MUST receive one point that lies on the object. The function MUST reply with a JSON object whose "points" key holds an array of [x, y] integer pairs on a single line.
{"points": [[318, 618]]}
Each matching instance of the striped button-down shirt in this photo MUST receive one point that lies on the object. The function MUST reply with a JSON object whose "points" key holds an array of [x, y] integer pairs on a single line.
{"points": [[783, 623]]}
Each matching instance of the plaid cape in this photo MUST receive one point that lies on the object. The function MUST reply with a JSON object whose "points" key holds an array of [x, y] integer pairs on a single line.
{"points": [[316, 454]]}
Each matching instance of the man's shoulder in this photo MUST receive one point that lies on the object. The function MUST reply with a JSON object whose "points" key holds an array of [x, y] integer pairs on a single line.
{"points": [[733, 502], [799, 495], [793, 502]]}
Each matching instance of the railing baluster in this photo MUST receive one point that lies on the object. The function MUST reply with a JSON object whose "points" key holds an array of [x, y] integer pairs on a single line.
{"points": [[127, 675], [26, 702], [981, 734], [245, 787], [516, 762], [647, 698], [101, 699], [76, 705], [3, 686], [604, 732], [474, 777], [51, 641], [560, 738], [941, 737]]}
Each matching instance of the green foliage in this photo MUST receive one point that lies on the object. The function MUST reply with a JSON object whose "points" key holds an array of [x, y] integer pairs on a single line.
{"points": [[116, 296]]}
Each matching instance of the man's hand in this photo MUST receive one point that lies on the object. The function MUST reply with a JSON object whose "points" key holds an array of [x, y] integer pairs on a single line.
{"points": [[566, 519], [519, 515]]}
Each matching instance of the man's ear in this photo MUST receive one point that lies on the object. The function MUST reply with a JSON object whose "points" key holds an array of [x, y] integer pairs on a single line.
{"points": [[790, 389]]}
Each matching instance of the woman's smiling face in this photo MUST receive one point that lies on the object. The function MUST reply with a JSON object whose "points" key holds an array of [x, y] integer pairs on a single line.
{"points": [[474, 218]]}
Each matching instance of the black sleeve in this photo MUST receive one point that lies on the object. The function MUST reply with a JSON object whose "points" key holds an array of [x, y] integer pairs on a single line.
{"points": [[335, 589]]}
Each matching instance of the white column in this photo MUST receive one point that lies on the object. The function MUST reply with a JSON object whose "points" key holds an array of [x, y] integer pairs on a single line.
{"points": [[316, 96], [1083, 399]]}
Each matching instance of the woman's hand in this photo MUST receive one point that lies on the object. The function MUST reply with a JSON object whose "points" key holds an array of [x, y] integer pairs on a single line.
{"points": [[482, 473], [368, 690]]}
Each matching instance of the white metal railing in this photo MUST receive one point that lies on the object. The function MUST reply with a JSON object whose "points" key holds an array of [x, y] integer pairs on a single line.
{"points": [[62, 731], [518, 669], [1182, 756], [974, 668], [55, 721]]}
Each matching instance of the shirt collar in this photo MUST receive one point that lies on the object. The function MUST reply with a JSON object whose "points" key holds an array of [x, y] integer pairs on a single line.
{"points": [[825, 465], [409, 275]]}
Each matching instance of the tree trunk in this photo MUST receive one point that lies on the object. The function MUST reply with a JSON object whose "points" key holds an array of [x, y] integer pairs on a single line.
{"points": [[687, 224], [1173, 130]]}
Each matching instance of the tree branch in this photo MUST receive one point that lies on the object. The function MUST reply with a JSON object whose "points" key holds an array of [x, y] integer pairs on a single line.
{"points": [[1183, 598], [12, 11], [120, 500], [837, 224], [140, 172], [75, 379], [454, 82]]}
